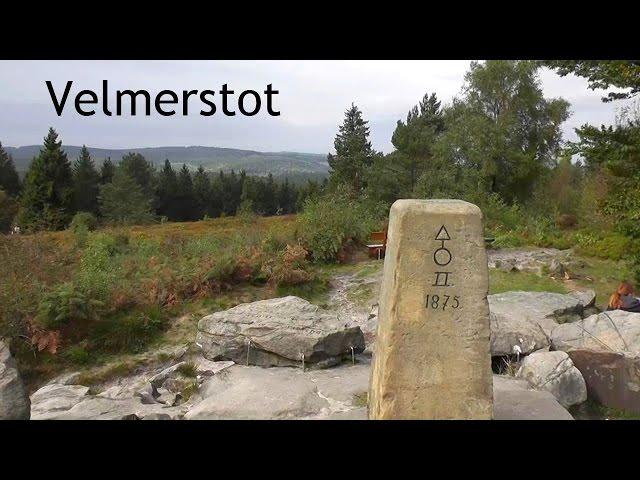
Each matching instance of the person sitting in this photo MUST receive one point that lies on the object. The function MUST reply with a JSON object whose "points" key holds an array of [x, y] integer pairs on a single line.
{"points": [[623, 299]]}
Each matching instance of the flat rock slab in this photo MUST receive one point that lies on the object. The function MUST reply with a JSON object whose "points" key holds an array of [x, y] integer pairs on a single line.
{"points": [[614, 331], [526, 319], [513, 400], [278, 332], [98, 408], [242, 392], [531, 260]]}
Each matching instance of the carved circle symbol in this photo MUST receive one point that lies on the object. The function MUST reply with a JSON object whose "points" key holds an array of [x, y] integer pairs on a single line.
{"points": [[442, 256]]}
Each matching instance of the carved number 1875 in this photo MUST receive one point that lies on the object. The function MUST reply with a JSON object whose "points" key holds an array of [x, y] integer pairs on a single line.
{"points": [[445, 301]]}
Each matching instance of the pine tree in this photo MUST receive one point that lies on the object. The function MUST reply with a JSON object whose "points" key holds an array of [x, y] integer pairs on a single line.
{"points": [[8, 209], [106, 171], [270, 196], [201, 193], [123, 201], [354, 153], [286, 199], [142, 171], [168, 192], [86, 181], [47, 199], [185, 199], [9, 180]]}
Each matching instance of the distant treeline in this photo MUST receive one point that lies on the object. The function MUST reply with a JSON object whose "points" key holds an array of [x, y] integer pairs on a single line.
{"points": [[134, 191]]}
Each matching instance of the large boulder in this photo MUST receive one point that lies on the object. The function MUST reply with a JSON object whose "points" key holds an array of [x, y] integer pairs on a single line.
{"points": [[14, 401], [526, 319], [606, 349], [278, 332], [612, 379], [614, 331], [555, 373], [513, 399]]}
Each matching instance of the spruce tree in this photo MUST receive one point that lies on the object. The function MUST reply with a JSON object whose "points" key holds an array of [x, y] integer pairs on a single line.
{"points": [[185, 199], [47, 199], [106, 171], [9, 180], [354, 153], [167, 192], [201, 193], [123, 201], [86, 181]]}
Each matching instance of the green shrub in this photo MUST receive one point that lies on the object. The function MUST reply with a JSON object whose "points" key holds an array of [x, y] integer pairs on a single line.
{"points": [[328, 222], [65, 305], [614, 246], [497, 213], [83, 221], [77, 354], [129, 331]]}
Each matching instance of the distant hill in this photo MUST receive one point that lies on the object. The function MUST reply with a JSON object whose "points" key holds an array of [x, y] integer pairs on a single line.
{"points": [[211, 158]]}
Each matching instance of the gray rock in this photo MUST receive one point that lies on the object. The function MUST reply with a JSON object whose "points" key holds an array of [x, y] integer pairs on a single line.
{"points": [[555, 373], [14, 401], [157, 416], [158, 379], [282, 332], [242, 392], [207, 368], [513, 400], [527, 260], [97, 408], [526, 319], [50, 400], [586, 297], [614, 331], [557, 269], [251, 393]]}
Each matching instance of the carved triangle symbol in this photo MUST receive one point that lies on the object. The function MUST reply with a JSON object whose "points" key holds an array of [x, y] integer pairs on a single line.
{"points": [[443, 234]]}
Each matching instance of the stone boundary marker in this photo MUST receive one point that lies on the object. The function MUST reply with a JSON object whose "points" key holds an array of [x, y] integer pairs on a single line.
{"points": [[432, 358]]}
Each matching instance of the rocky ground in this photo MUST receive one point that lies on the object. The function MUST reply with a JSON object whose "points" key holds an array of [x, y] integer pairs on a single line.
{"points": [[552, 352]]}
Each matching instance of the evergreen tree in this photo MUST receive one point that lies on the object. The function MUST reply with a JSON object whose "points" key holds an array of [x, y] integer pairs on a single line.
{"points": [[86, 181], [168, 192], [354, 153], [8, 209], [106, 171], [270, 200], [9, 179], [202, 193], [215, 205], [47, 198], [395, 175], [286, 197], [143, 172], [185, 199], [123, 201]]}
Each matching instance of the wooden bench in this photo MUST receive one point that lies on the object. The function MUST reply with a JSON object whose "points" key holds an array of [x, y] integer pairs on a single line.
{"points": [[378, 244]]}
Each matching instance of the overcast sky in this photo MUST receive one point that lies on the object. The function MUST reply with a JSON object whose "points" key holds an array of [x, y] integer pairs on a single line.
{"points": [[312, 100]]}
